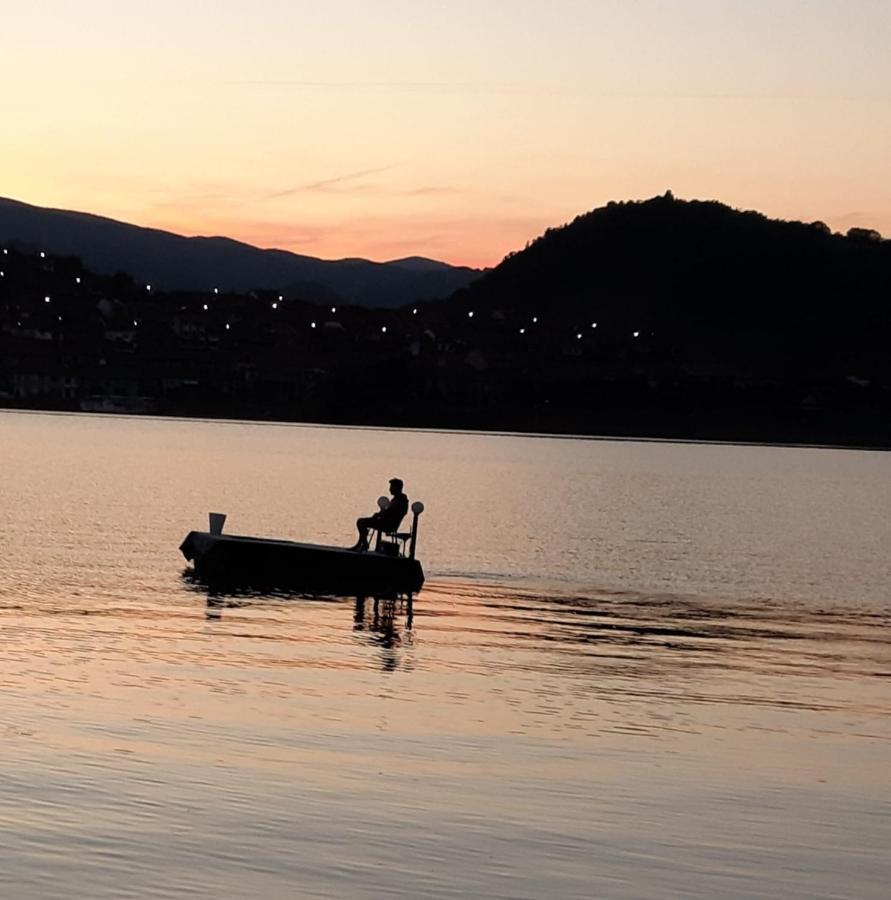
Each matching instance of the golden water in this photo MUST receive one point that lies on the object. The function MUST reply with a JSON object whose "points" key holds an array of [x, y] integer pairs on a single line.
{"points": [[636, 670]]}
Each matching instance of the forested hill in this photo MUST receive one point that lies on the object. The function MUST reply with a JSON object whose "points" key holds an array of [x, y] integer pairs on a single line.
{"points": [[657, 319], [690, 267]]}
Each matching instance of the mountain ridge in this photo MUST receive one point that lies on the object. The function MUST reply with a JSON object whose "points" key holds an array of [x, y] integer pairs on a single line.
{"points": [[658, 318], [176, 262]]}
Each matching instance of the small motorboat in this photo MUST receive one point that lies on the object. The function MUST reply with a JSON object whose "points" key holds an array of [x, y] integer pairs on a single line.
{"points": [[237, 561]]}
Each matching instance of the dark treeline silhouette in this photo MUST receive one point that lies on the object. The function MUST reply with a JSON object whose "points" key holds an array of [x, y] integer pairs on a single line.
{"points": [[661, 318], [710, 281]]}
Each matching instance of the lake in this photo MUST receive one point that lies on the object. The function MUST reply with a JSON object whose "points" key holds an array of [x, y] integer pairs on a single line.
{"points": [[637, 670]]}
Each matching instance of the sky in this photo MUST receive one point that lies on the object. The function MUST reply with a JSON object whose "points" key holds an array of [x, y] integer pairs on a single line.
{"points": [[455, 129]]}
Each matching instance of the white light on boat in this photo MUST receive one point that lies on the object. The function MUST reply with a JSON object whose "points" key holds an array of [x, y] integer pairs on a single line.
{"points": [[60, 318], [77, 280], [637, 334], [46, 299], [579, 336], [414, 312], [135, 323], [333, 309], [275, 306], [535, 320], [2, 274], [593, 324], [280, 298], [522, 331], [148, 287], [470, 314], [42, 255], [205, 307], [5, 251], [312, 324], [227, 326], [384, 329], [216, 290]]}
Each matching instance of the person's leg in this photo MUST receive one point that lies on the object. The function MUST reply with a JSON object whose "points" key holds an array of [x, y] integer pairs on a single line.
{"points": [[362, 526]]}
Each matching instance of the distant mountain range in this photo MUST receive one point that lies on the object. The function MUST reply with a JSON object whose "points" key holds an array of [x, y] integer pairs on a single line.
{"points": [[173, 262], [664, 318]]}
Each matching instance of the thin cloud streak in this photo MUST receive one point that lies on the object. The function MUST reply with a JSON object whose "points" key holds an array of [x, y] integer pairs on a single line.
{"points": [[326, 183], [375, 85], [569, 89]]}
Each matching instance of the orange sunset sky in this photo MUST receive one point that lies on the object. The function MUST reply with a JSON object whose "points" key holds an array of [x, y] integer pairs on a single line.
{"points": [[457, 130]]}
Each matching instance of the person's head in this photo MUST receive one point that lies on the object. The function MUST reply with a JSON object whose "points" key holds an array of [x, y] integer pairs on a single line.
{"points": [[395, 486]]}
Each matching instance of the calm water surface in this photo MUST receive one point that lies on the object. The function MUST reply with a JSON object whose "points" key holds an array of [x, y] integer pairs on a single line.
{"points": [[636, 671]]}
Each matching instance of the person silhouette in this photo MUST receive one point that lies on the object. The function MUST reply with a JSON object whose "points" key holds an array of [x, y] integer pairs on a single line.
{"points": [[384, 520]]}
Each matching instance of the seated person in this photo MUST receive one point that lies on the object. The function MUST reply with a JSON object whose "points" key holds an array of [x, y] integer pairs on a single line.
{"points": [[385, 520]]}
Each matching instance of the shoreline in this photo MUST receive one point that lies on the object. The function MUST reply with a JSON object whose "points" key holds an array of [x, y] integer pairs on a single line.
{"points": [[536, 435]]}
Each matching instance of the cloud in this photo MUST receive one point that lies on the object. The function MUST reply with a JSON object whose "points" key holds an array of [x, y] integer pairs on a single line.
{"points": [[429, 191], [880, 220], [326, 185], [387, 85], [853, 218]]}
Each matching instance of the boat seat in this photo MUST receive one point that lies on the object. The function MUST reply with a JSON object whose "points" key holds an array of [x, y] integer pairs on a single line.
{"points": [[398, 539], [400, 543]]}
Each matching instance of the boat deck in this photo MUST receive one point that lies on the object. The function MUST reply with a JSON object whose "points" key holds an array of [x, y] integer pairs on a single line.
{"points": [[243, 560]]}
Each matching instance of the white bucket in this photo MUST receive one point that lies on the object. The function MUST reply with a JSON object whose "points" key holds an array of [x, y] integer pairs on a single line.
{"points": [[216, 522]]}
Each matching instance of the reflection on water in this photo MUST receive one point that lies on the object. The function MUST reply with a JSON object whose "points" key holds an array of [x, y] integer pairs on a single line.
{"points": [[383, 628], [688, 694], [479, 740], [383, 622]]}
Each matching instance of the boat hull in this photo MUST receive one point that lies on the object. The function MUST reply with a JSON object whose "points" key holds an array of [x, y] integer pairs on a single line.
{"points": [[224, 560]]}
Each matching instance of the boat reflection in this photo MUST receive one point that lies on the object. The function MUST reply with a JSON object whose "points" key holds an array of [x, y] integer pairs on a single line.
{"points": [[382, 626], [382, 623], [384, 611], [386, 620]]}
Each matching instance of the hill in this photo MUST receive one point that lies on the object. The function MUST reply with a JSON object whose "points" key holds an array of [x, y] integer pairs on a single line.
{"points": [[679, 318], [687, 272], [662, 318], [173, 262]]}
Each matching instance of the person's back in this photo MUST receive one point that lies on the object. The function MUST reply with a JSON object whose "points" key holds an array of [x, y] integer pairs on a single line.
{"points": [[391, 518]]}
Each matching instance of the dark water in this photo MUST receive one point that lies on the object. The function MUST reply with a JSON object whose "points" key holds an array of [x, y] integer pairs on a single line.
{"points": [[636, 671]]}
